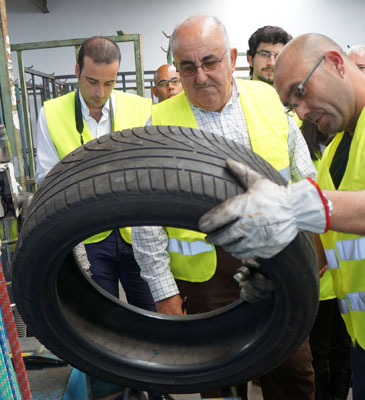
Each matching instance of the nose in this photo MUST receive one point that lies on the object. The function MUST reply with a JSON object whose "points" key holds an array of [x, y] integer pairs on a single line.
{"points": [[201, 75], [100, 91], [302, 110]]}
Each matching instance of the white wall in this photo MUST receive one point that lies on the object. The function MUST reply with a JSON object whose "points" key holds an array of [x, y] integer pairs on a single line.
{"points": [[341, 20]]}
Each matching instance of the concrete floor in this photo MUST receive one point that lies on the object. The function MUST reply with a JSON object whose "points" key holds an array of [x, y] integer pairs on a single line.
{"points": [[254, 393]]}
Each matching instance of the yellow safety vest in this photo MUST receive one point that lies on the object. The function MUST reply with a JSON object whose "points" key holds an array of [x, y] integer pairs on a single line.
{"points": [[268, 129], [345, 252], [131, 111]]}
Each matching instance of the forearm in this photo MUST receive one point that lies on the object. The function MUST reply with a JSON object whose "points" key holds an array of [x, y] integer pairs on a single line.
{"points": [[348, 213], [149, 247]]}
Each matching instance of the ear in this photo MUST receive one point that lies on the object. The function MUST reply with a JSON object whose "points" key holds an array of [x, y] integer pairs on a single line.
{"points": [[154, 91], [335, 59], [250, 60], [77, 70], [233, 56]]}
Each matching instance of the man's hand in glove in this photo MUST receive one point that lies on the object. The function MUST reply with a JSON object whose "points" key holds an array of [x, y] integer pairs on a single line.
{"points": [[264, 220], [255, 286]]}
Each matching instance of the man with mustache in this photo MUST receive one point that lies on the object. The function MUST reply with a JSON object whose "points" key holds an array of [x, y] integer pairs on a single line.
{"points": [[265, 45], [249, 113]]}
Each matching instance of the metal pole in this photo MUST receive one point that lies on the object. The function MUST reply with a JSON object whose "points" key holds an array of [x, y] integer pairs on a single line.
{"points": [[9, 97], [139, 65], [28, 131]]}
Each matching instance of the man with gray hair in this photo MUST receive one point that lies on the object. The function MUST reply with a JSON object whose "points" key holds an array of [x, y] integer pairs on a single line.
{"points": [[242, 111], [357, 54]]}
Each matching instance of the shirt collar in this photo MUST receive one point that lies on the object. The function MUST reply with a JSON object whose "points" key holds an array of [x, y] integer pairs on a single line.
{"points": [[105, 110]]}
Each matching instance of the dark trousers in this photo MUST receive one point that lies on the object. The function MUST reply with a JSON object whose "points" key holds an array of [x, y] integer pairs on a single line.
{"points": [[111, 261], [358, 373], [329, 340], [293, 379], [330, 344]]}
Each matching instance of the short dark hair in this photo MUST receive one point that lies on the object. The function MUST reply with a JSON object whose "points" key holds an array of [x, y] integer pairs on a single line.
{"points": [[100, 49], [266, 34]]}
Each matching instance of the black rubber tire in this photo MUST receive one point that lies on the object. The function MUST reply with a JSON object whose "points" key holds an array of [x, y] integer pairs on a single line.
{"points": [[152, 176]]}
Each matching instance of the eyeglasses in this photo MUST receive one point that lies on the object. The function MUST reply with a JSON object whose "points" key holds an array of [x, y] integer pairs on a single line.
{"points": [[297, 95], [165, 82], [187, 68], [267, 54]]}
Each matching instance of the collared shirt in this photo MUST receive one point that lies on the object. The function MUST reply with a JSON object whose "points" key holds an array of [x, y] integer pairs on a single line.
{"points": [[150, 243], [47, 156]]}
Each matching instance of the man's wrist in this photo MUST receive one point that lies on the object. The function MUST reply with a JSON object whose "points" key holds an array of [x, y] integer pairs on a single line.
{"points": [[327, 204]]}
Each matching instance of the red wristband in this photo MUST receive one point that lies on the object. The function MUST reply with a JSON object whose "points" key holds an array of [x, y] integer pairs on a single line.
{"points": [[324, 201]]}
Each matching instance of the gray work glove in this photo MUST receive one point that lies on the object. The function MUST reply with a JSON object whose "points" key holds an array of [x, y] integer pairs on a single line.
{"points": [[255, 286], [264, 220]]}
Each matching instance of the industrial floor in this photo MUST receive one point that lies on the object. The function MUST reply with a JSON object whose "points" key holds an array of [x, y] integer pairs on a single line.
{"points": [[254, 393]]}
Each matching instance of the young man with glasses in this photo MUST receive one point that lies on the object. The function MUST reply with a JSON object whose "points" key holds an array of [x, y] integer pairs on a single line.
{"points": [[243, 111], [314, 76], [166, 82], [265, 45]]}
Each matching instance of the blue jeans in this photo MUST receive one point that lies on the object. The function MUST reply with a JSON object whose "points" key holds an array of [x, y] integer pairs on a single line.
{"points": [[358, 372], [112, 260]]}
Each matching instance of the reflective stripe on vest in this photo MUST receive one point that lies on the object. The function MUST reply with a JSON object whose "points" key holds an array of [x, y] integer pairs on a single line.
{"points": [[352, 249], [285, 173], [191, 257], [352, 302], [188, 248], [348, 250], [331, 257]]}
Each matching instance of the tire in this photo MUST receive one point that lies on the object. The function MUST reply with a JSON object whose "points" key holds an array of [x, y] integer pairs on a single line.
{"points": [[166, 176]]}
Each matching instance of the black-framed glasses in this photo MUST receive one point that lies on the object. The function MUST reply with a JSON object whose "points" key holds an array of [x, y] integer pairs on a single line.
{"points": [[297, 95], [165, 82], [187, 68], [267, 54]]}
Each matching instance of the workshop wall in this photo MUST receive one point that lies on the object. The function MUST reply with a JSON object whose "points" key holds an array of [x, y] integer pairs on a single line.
{"points": [[342, 21]]}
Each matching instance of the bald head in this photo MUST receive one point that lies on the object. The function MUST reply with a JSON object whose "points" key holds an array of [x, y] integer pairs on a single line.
{"points": [[204, 27], [307, 48], [314, 76]]}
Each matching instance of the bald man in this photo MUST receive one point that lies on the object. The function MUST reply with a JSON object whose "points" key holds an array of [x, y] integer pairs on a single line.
{"points": [[316, 78], [166, 82], [357, 55], [243, 111]]}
